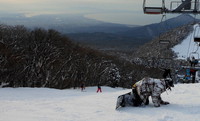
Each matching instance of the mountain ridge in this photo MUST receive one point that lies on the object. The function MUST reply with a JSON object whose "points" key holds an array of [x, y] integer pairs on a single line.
{"points": [[133, 37], [64, 23], [97, 34]]}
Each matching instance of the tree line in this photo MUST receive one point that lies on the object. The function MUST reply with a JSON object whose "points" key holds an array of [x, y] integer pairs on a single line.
{"points": [[46, 58]]}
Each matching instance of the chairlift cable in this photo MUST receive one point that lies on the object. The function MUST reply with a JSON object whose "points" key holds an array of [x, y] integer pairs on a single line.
{"points": [[163, 16], [163, 19], [196, 43]]}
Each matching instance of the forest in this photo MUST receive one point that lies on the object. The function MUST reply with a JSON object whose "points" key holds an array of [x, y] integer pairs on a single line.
{"points": [[46, 58]]}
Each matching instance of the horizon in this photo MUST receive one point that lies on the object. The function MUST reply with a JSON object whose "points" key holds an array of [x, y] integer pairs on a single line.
{"points": [[127, 12]]}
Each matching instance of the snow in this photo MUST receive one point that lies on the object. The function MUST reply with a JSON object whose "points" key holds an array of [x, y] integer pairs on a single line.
{"points": [[44, 104], [188, 46]]}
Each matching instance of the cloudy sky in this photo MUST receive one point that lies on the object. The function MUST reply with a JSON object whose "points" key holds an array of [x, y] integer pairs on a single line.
{"points": [[116, 11]]}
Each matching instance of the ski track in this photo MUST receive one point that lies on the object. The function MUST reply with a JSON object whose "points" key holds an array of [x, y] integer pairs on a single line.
{"points": [[43, 104]]}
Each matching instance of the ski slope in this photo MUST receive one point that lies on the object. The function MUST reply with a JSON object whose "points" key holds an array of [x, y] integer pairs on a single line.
{"points": [[44, 104]]}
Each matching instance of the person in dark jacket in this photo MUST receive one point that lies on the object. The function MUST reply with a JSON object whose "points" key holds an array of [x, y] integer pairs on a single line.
{"points": [[193, 62], [193, 74], [167, 73], [82, 86]]}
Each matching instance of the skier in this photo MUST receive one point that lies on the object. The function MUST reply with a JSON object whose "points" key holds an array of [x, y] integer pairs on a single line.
{"points": [[99, 88], [142, 90], [193, 62], [82, 86], [193, 74], [167, 73]]}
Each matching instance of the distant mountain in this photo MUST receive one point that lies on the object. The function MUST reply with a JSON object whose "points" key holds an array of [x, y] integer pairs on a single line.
{"points": [[153, 30], [101, 35], [63, 23], [133, 37]]}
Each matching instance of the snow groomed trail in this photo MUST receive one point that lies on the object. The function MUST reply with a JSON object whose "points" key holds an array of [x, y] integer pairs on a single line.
{"points": [[44, 104]]}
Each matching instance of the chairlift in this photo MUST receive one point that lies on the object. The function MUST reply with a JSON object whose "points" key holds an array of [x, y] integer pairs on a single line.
{"points": [[197, 34], [153, 10], [184, 6], [196, 39], [181, 6], [164, 41]]}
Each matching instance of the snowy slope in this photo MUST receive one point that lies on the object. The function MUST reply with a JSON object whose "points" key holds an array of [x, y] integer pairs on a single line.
{"points": [[43, 104], [188, 46]]}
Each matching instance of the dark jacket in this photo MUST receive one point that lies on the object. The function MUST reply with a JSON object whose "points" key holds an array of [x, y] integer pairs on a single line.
{"points": [[98, 86]]}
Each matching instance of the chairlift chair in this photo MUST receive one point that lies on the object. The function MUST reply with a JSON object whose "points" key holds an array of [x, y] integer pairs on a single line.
{"points": [[153, 10], [196, 39], [197, 34], [181, 6], [185, 6], [162, 41]]}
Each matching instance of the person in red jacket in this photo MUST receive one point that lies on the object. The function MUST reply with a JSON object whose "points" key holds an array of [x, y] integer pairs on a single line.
{"points": [[193, 74], [99, 88]]}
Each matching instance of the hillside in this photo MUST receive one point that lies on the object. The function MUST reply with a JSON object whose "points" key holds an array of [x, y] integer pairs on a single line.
{"points": [[43, 104], [156, 54], [156, 49]]}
